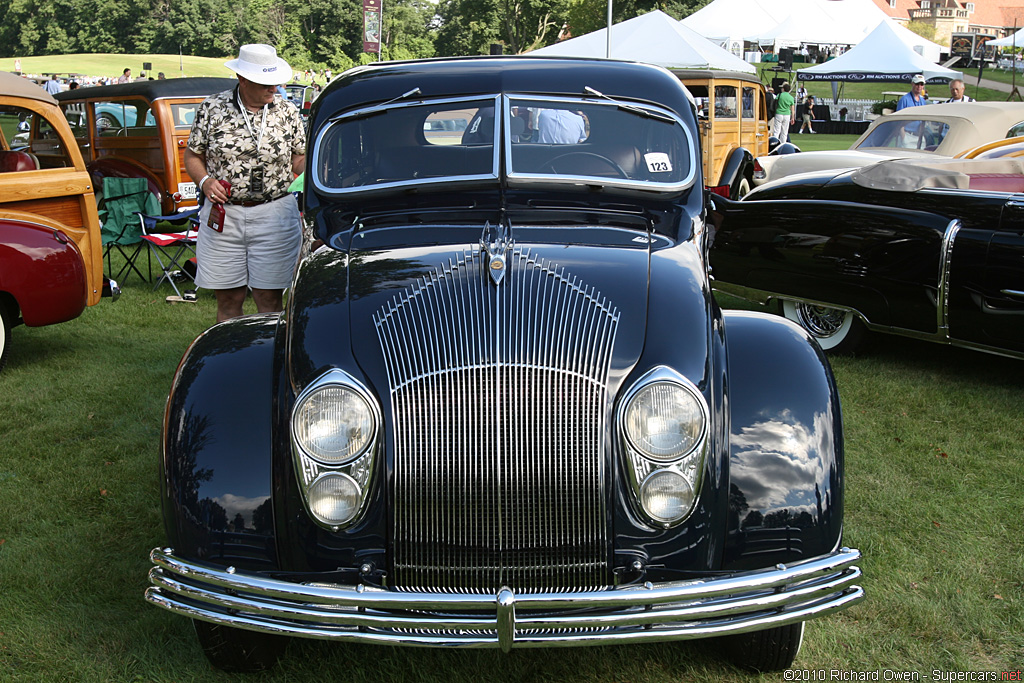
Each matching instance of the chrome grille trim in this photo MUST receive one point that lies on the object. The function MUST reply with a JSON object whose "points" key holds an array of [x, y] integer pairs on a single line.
{"points": [[499, 403]]}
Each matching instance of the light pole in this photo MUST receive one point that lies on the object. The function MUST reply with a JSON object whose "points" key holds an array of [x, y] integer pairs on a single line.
{"points": [[608, 46]]}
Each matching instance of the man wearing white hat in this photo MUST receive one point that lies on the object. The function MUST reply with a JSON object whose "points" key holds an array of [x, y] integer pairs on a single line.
{"points": [[916, 97], [256, 141]]}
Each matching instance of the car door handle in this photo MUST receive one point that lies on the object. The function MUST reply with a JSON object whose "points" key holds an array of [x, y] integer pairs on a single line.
{"points": [[1016, 293]]}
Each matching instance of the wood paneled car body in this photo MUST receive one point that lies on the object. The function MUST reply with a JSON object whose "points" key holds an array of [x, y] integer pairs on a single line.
{"points": [[138, 130], [51, 264], [734, 125], [927, 249], [502, 408]]}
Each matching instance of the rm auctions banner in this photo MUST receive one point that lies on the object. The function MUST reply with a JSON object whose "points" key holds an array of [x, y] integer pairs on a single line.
{"points": [[371, 25], [865, 77]]}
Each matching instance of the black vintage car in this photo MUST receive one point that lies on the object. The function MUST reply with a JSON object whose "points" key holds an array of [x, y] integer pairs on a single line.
{"points": [[502, 408], [925, 249]]}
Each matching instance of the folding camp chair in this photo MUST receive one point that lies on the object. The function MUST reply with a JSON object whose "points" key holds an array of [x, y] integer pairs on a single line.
{"points": [[120, 230], [171, 249]]}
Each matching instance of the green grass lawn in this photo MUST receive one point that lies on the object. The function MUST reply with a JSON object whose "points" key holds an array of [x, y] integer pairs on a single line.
{"points": [[934, 481], [173, 66]]}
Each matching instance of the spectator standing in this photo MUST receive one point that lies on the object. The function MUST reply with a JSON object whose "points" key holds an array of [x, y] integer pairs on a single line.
{"points": [[801, 94], [125, 77], [160, 76], [808, 115], [916, 97], [783, 114], [251, 138], [53, 85], [956, 92]]}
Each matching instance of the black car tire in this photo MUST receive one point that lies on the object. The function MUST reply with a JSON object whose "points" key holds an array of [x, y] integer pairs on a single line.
{"points": [[239, 651], [5, 337], [773, 649], [835, 330]]}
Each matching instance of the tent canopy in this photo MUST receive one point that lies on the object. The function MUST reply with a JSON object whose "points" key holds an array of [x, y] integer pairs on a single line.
{"points": [[1012, 40], [880, 57], [750, 19], [652, 38], [796, 28]]}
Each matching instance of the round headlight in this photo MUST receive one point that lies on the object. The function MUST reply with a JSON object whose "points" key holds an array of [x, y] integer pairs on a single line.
{"points": [[666, 496], [664, 421], [334, 498], [333, 424]]}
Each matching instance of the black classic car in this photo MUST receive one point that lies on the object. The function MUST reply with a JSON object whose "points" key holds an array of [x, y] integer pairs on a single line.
{"points": [[502, 408], [925, 249]]}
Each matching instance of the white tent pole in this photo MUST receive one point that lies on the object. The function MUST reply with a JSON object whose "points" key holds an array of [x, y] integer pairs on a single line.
{"points": [[608, 46]]}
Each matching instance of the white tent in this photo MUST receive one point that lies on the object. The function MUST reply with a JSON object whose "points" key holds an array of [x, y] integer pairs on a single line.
{"points": [[653, 38], [731, 21], [798, 28], [921, 46], [750, 19], [1012, 40], [880, 57]]}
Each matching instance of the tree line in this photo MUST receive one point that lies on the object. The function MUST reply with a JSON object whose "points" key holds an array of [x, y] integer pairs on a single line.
{"points": [[307, 33]]}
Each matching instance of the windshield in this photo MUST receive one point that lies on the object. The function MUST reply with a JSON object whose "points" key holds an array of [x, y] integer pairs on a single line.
{"points": [[408, 144], [608, 141], [541, 140], [907, 134]]}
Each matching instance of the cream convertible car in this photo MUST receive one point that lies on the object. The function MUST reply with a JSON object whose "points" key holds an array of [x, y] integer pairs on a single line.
{"points": [[931, 131]]}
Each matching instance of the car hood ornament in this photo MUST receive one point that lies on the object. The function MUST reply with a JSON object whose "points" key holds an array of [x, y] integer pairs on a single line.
{"points": [[496, 240]]}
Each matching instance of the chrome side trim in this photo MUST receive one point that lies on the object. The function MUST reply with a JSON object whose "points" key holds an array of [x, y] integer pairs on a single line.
{"points": [[945, 259], [733, 603]]}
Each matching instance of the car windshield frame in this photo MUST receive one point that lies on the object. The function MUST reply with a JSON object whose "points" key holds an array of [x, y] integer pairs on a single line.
{"points": [[683, 170]]}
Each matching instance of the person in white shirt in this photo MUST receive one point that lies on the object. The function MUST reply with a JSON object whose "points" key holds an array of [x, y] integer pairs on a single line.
{"points": [[560, 127], [956, 92]]}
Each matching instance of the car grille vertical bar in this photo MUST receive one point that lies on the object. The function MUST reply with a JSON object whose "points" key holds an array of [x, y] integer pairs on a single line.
{"points": [[499, 403]]}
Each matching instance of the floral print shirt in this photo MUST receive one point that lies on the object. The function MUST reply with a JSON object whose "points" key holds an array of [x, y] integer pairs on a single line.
{"points": [[220, 133]]}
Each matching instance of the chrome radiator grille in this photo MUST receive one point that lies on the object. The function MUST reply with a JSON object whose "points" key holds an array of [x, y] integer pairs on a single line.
{"points": [[499, 406]]}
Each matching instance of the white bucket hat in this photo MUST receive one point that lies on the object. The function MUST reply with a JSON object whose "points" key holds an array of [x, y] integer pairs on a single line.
{"points": [[259, 63]]}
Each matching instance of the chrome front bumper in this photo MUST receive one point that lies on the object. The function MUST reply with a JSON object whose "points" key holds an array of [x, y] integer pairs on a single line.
{"points": [[678, 610]]}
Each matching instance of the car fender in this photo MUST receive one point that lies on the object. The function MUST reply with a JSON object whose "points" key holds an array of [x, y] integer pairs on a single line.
{"points": [[785, 444], [739, 164], [42, 270], [218, 443], [886, 264]]}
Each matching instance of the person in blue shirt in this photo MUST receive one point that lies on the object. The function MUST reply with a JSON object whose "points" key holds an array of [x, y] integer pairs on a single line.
{"points": [[916, 97]]}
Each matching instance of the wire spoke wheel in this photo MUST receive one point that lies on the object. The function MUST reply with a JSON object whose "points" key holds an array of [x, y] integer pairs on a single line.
{"points": [[836, 330]]}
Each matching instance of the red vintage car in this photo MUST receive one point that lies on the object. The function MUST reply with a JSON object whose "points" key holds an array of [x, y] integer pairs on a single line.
{"points": [[51, 264]]}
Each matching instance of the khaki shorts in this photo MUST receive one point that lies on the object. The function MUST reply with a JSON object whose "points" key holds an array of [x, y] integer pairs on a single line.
{"points": [[259, 246]]}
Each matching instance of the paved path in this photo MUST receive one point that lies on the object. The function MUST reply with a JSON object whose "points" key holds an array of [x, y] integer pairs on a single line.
{"points": [[995, 85]]}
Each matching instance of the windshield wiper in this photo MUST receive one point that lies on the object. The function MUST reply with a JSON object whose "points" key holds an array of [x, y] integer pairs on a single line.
{"points": [[376, 109], [639, 111]]}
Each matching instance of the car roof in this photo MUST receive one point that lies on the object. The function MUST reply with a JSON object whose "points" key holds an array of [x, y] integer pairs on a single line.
{"points": [[715, 74], [16, 86], [485, 75], [970, 123], [152, 90]]}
